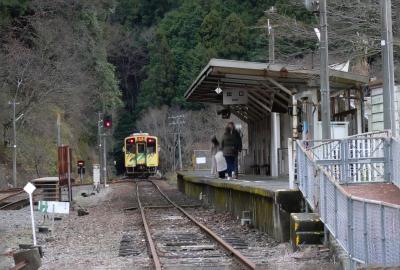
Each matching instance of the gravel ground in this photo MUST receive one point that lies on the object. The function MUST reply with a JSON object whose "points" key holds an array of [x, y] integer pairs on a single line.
{"points": [[93, 241], [276, 255], [86, 242], [15, 228]]}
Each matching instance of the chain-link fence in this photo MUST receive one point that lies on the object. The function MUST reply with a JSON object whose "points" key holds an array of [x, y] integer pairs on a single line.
{"points": [[368, 230]]}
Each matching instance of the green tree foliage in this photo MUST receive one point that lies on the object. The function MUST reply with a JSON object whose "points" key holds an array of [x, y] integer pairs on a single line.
{"points": [[133, 13], [11, 9], [209, 31], [158, 88], [233, 38], [193, 33]]}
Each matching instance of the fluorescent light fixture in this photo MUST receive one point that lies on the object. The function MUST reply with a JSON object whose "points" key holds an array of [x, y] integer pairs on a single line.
{"points": [[19, 117], [316, 30]]}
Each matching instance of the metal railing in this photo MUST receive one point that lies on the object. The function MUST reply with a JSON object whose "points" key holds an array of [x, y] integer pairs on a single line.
{"points": [[368, 230], [354, 159], [395, 155], [383, 133]]}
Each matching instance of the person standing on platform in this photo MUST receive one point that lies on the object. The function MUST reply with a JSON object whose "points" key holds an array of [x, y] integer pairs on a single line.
{"points": [[239, 146], [214, 150], [220, 164], [229, 148]]}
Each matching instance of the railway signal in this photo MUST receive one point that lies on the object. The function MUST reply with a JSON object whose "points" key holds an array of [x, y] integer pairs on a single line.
{"points": [[81, 168], [107, 121]]}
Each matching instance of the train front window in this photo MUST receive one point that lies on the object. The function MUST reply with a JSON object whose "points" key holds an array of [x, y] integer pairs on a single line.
{"points": [[140, 148], [151, 146], [130, 146]]}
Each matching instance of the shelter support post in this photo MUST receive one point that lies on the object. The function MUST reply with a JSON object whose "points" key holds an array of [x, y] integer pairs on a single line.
{"points": [[275, 143], [359, 116], [294, 119], [388, 67]]}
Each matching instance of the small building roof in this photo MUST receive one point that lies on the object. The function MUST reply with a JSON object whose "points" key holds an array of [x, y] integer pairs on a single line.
{"points": [[46, 179], [269, 86]]}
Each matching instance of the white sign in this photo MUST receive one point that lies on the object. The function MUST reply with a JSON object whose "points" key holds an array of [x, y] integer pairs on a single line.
{"points": [[339, 130], [53, 207], [29, 188], [96, 174], [234, 97], [201, 160]]}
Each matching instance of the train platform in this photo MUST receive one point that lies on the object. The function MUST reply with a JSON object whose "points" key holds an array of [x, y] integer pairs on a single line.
{"points": [[252, 183], [266, 201]]}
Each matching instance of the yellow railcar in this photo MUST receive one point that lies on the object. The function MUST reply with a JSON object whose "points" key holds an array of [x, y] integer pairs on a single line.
{"points": [[141, 154]]}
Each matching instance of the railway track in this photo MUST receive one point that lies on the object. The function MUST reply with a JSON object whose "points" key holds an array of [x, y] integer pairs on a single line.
{"points": [[13, 199], [176, 240]]}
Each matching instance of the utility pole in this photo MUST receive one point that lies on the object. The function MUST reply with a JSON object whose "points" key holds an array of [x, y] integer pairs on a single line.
{"points": [[14, 146], [179, 149], [58, 130], [105, 159], [99, 125], [271, 43], [388, 68], [325, 90], [178, 121], [69, 174]]}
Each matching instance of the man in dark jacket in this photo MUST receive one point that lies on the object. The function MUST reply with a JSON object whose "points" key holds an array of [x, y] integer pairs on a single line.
{"points": [[228, 145], [239, 146], [231, 145]]}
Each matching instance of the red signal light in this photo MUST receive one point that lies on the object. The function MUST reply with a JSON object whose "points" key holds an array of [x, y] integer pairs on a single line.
{"points": [[130, 141], [150, 140], [107, 121], [80, 163]]}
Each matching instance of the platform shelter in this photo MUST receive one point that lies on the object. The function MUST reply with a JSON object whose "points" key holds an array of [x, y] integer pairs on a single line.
{"points": [[278, 102]]}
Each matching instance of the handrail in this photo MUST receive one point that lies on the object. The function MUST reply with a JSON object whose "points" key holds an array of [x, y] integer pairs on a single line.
{"points": [[361, 136], [339, 187], [368, 230]]}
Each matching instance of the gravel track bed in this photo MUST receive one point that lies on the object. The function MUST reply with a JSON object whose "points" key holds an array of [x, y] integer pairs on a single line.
{"points": [[262, 249], [257, 246], [179, 242], [111, 238], [93, 241], [84, 242]]}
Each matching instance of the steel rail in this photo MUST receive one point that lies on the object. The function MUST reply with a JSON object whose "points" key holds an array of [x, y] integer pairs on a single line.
{"points": [[239, 256], [21, 201], [156, 259], [11, 195]]}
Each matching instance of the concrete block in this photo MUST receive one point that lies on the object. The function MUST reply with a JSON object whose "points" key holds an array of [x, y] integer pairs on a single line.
{"points": [[30, 256], [305, 229]]}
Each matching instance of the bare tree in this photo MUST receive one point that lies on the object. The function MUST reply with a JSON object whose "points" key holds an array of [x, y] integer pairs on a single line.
{"points": [[354, 34], [196, 133]]}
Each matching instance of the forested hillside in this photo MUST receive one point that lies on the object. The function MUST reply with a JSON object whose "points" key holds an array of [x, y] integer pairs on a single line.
{"points": [[78, 57], [53, 60]]}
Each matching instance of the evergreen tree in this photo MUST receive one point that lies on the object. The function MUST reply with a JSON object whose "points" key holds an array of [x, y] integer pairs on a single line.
{"points": [[158, 88], [233, 37]]}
